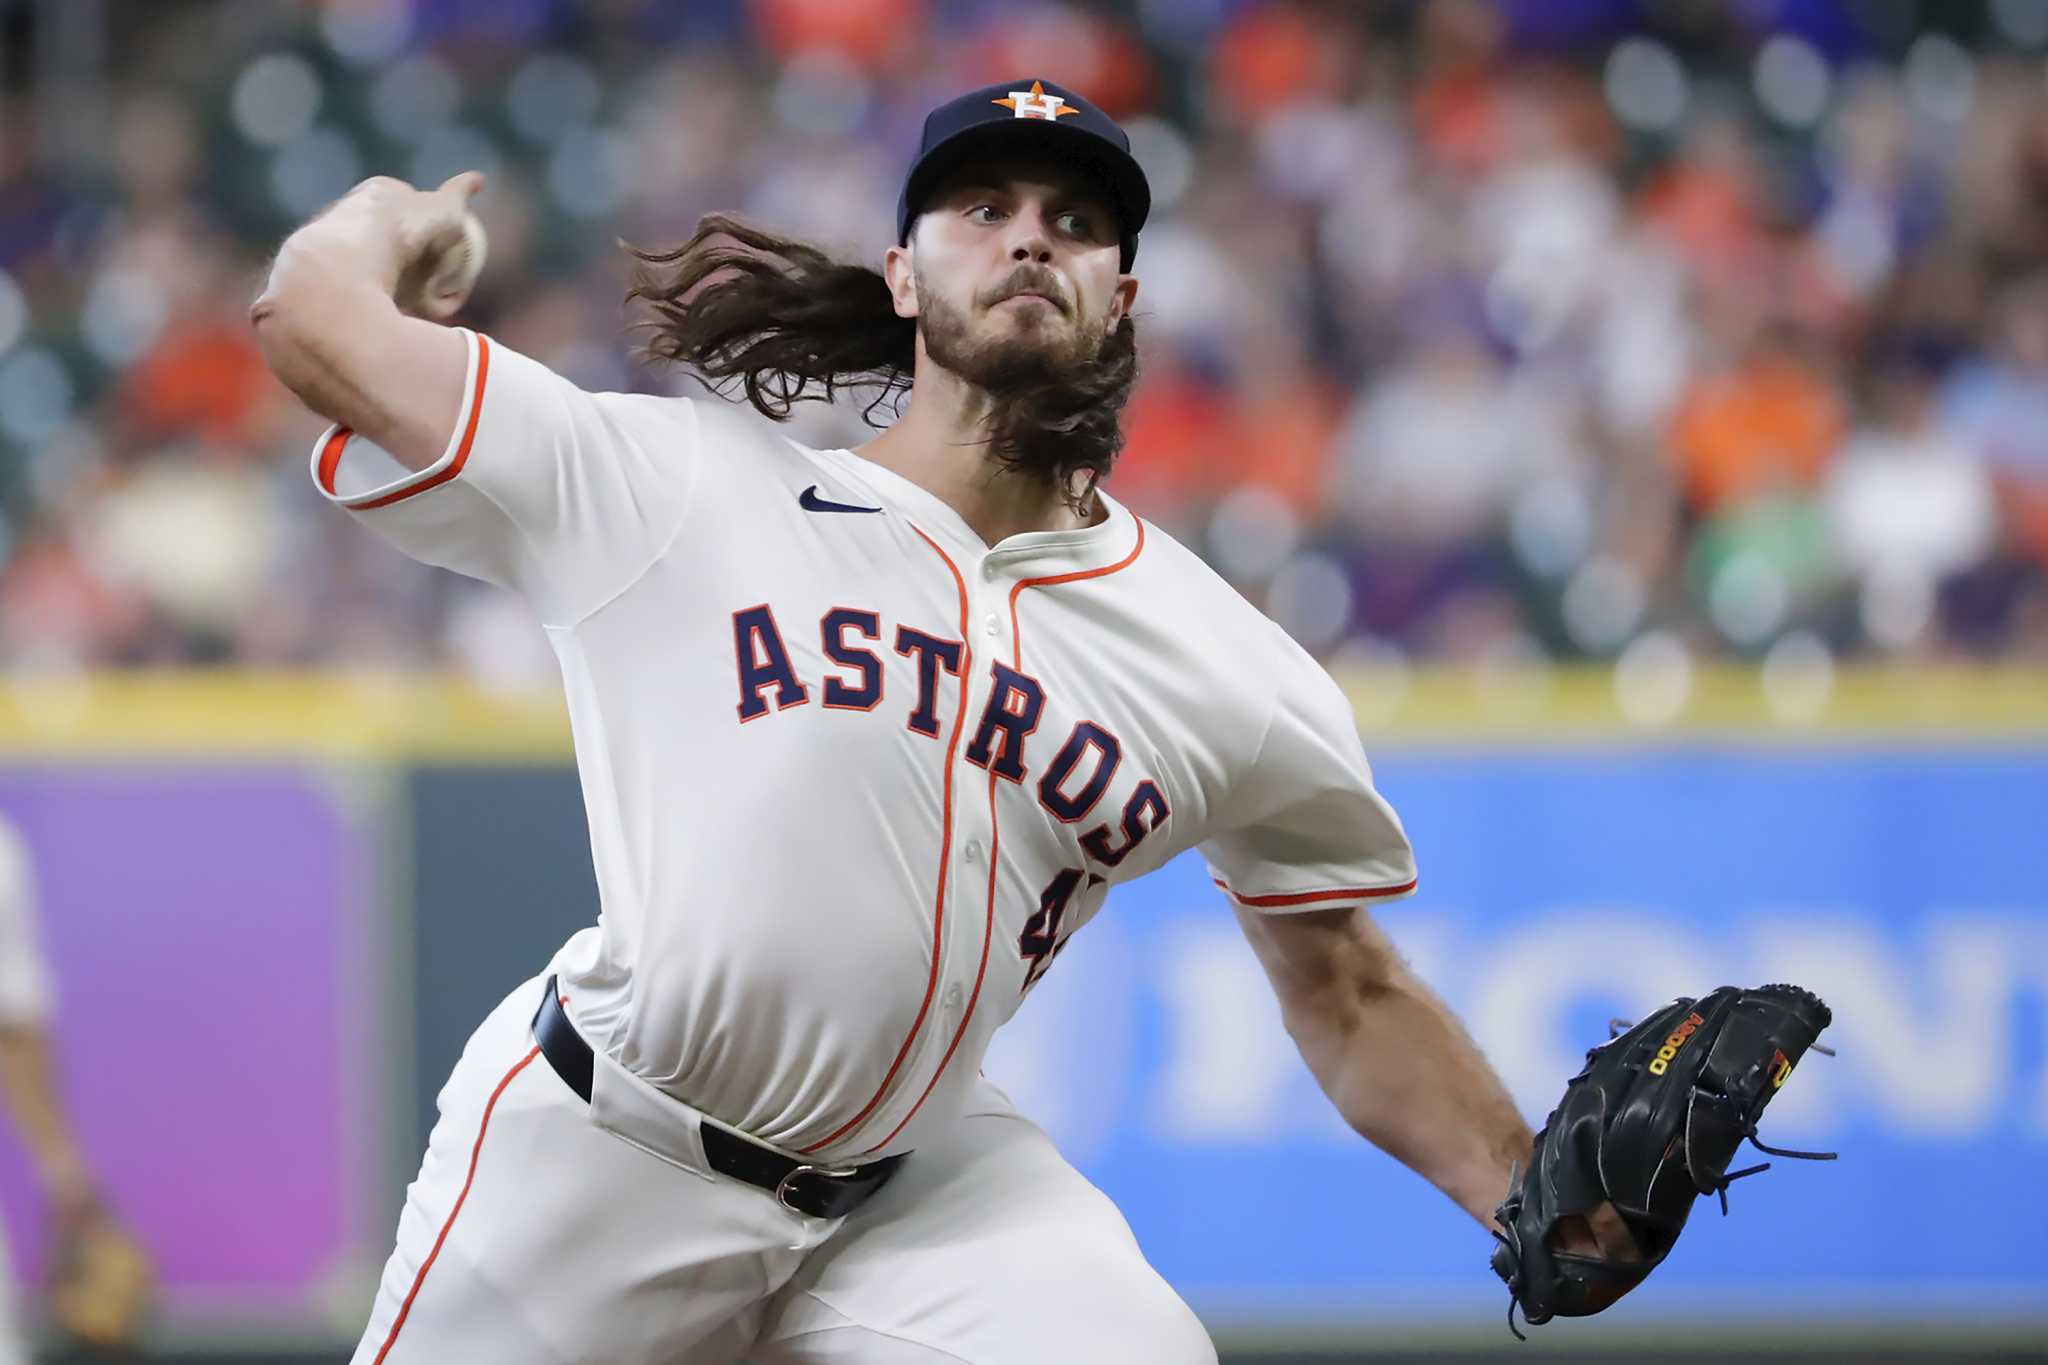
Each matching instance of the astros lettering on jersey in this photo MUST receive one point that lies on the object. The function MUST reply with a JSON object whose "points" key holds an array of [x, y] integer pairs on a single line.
{"points": [[854, 777]]}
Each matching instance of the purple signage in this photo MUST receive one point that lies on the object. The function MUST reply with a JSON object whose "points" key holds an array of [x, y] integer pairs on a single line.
{"points": [[197, 923]]}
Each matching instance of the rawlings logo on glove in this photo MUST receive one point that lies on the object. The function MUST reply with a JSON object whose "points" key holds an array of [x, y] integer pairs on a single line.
{"points": [[1647, 1127]]}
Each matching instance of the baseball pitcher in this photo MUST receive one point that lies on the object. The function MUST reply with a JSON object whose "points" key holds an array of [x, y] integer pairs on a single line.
{"points": [[865, 735]]}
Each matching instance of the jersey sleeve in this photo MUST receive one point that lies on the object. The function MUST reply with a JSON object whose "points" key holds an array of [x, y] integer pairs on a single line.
{"points": [[563, 495], [25, 994], [1304, 828]]}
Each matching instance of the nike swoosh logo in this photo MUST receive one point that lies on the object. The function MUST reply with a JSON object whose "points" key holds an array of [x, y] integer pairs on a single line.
{"points": [[811, 502]]}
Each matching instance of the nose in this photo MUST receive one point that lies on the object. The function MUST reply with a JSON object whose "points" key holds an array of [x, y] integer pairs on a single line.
{"points": [[1030, 241]]}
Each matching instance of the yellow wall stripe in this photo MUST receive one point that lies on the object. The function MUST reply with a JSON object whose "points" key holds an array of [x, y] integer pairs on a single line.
{"points": [[232, 715]]}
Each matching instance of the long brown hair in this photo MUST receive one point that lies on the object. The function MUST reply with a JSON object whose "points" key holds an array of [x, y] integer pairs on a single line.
{"points": [[782, 322]]}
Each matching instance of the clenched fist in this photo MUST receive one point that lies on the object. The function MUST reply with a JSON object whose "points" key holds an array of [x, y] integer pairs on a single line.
{"points": [[439, 244]]}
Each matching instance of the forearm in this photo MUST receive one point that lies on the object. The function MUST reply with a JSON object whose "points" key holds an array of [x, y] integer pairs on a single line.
{"points": [[28, 1082], [1398, 1066], [1405, 1074]]}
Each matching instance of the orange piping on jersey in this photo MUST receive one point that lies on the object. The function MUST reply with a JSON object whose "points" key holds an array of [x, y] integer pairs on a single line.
{"points": [[931, 985], [995, 840], [330, 457], [1016, 635], [1345, 893], [405, 1309], [988, 934], [330, 454]]}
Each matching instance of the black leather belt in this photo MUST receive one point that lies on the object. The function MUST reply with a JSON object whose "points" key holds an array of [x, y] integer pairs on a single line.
{"points": [[820, 1191]]}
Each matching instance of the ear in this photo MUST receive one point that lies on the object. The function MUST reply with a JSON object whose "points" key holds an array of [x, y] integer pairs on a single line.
{"points": [[901, 279], [1121, 298]]}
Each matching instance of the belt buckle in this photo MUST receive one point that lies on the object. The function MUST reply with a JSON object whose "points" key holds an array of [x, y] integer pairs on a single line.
{"points": [[784, 1186]]}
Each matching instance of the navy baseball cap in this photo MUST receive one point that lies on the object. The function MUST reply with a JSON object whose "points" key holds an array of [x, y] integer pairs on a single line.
{"points": [[1038, 115]]}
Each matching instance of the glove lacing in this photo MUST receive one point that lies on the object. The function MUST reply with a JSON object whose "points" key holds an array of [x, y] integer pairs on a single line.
{"points": [[1721, 1185]]}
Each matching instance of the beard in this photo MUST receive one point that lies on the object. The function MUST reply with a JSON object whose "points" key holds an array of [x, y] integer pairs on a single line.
{"points": [[1054, 394], [1042, 350]]}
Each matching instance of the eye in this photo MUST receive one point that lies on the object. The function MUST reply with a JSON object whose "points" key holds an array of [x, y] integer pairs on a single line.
{"points": [[1077, 224], [993, 213]]}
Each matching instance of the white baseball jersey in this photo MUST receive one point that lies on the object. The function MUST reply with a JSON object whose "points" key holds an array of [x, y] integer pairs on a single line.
{"points": [[852, 775], [25, 994]]}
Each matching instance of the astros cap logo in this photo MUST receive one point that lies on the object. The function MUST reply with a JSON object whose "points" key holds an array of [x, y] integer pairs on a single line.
{"points": [[1035, 103]]}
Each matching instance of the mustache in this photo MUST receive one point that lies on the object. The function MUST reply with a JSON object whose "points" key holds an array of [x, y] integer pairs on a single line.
{"points": [[1029, 280]]}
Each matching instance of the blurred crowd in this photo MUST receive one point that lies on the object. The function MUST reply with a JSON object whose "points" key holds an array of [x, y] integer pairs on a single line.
{"points": [[1470, 331]]}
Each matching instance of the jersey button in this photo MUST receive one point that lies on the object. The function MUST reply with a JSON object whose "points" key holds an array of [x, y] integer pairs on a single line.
{"points": [[953, 996], [973, 851], [991, 624]]}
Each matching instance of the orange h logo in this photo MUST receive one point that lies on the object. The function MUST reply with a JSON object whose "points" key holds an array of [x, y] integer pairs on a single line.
{"points": [[1035, 103]]}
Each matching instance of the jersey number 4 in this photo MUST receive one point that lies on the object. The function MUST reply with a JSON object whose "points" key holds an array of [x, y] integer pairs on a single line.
{"points": [[1042, 940]]}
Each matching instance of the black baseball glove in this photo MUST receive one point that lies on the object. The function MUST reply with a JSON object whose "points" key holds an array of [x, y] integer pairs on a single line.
{"points": [[1650, 1124]]}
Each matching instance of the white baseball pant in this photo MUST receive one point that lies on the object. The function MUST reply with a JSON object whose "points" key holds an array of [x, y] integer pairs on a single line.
{"points": [[533, 1236]]}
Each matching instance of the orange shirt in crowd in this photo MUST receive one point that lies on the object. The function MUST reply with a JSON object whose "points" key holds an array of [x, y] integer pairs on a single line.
{"points": [[205, 377], [2024, 508], [1188, 444], [1284, 434], [1770, 423], [1271, 57], [862, 32], [1176, 440]]}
